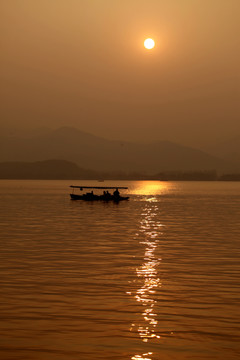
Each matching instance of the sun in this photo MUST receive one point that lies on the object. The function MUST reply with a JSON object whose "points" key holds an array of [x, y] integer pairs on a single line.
{"points": [[149, 44]]}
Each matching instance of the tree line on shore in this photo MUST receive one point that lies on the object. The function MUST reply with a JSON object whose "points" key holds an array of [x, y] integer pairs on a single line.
{"points": [[65, 170]]}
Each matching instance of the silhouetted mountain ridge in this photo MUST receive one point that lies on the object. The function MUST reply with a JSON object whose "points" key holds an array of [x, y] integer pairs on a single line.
{"points": [[49, 169], [99, 154], [66, 170], [228, 149]]}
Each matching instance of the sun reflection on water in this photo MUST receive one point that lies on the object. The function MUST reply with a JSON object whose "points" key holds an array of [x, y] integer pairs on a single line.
{"points": [[151, 188], [140, 357], [148, 277]]}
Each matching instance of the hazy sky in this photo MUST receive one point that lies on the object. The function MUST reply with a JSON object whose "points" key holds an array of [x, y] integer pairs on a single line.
{"points": [[82, 63]]}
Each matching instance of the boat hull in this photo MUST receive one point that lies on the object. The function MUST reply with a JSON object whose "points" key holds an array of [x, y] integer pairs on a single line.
{"points": [[92, 197]]}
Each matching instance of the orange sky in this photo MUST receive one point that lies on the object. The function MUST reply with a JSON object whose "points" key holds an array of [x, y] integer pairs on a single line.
{"points": [[83, 64]]}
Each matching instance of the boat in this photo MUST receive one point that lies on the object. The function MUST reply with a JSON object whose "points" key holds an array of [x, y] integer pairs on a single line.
{"points": [[105, 196]]}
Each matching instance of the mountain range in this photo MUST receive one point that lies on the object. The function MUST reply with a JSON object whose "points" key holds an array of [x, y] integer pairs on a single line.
{"points": [[99, 154]]}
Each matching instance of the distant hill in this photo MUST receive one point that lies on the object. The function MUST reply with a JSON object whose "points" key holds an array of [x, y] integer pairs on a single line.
{"points": [[228, 150], [50, 169], [91, 152], [66, 170]]}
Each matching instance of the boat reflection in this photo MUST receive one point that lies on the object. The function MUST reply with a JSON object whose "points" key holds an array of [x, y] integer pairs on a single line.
{"points": [[148, 277]]}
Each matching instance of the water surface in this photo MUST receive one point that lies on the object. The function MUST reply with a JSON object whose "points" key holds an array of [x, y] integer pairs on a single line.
{"points": [[156, 277]]}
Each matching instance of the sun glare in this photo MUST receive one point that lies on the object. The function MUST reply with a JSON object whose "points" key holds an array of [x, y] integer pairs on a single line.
{"points": [[149, 44]]}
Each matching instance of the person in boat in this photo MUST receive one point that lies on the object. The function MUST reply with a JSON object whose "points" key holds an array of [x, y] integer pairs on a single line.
{"points": [[90, 194], [116, 193], [106, 195]]}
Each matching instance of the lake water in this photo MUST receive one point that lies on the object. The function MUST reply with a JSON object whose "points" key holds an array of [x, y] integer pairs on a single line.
{"points": [[155, 277]]}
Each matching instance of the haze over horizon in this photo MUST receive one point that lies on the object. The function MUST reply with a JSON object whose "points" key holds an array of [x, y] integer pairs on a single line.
{"points": [[61, 66]]}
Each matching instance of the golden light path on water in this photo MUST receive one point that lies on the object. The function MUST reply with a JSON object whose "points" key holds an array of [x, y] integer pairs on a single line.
{"points": [[153, 188], [147, 274]]}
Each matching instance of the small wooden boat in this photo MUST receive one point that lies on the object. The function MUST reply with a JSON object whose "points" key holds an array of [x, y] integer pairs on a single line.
{"points": [[105, 196]]}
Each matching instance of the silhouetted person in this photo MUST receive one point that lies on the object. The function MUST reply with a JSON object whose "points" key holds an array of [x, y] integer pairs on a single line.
{"points": [[106, 195], [116, 193]]}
